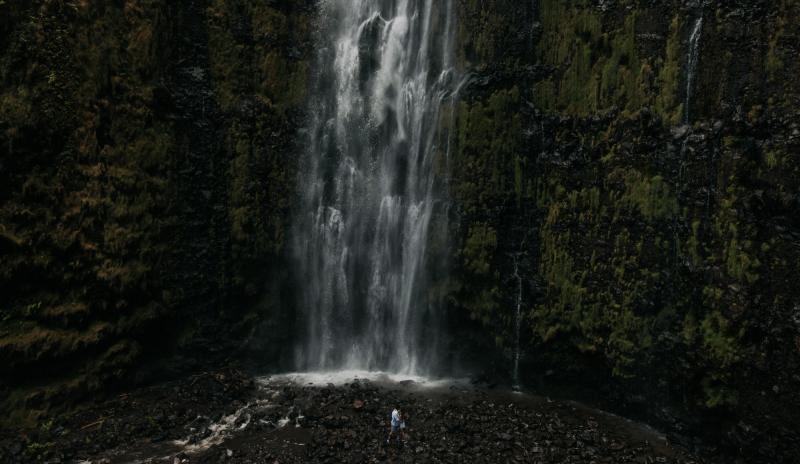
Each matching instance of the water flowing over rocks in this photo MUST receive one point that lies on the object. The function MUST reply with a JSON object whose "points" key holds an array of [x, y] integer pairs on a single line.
{"points": [[370, 186]]}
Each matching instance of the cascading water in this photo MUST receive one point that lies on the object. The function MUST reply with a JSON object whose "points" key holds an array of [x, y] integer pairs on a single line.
{"points": [[385, 71], [691, 65], [516, 385], [691, 70]]}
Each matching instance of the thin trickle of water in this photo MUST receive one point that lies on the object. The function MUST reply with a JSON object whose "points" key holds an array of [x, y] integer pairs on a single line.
{"points": [[533, 21], [692, 61], [691, 65], [385, 70], [516, 384]]}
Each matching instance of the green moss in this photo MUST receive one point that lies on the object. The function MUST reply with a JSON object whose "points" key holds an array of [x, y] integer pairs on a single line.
{"points": [[260, 176], [483, 33], [633, 264], [606, 319], [96, 208], [596, 63], [737, 249], [478, 294], [37, 450], [722, 347], [775, 159], [740, 264], [485, 149], [479, 248], [667, 103], [774, 59], [693, 244], [263, 68], [651, 196]]}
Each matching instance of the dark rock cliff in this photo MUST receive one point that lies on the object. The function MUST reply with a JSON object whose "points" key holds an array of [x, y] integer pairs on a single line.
{"points": [[654, 219], [145, 172], [147, 162]]}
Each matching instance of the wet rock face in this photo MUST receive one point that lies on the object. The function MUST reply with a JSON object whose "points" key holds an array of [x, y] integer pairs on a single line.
{"points": [[658, 251], [145, 178], [147, 168]]}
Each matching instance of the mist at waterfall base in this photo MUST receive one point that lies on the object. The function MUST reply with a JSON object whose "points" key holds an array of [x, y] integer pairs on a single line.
{"points": [[374, 185]]}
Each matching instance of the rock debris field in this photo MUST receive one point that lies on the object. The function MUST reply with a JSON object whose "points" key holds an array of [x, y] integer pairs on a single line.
{"points": [[228, 416]]}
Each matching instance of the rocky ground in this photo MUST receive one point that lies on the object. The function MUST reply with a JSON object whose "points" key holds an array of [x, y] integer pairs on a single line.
{"points": [[231, 417]]}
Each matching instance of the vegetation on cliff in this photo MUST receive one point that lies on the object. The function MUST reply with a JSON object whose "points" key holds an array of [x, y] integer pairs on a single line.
{"points": [[147, 169], [126, 227], [657, 257]]}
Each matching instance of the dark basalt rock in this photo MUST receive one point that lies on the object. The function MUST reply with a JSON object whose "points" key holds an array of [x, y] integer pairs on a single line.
{"points": [[446, 425], [147, 170], [143, 273], [563, 154]]}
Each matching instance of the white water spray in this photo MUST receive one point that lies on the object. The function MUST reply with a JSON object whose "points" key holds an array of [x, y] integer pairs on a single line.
{"points": [[691, 65], [385, 70]]}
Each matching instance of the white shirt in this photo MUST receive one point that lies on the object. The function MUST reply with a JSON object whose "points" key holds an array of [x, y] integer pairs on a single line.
{"points": [[395, 418]]}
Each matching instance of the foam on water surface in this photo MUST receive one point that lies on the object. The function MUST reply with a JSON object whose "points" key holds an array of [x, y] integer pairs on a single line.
{"points": [[344, 377]]}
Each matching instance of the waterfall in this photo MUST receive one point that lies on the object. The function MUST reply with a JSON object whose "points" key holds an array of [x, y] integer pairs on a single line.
{"points": [[516, 385], [384, 72], [691, 65], [691, 71]]}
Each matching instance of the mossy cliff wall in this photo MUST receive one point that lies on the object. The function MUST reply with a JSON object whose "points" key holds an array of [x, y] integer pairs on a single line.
{"points": [[658, 248], [147, 156], [145, 175]]}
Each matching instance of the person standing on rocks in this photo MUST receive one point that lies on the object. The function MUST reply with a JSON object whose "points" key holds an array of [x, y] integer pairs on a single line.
{"points": [[396, 425]]}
